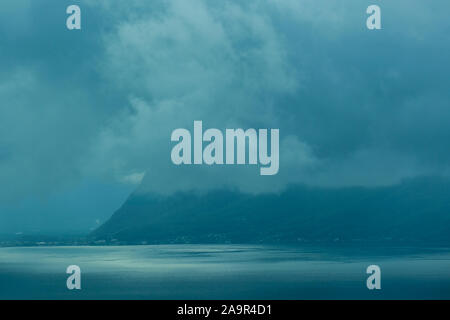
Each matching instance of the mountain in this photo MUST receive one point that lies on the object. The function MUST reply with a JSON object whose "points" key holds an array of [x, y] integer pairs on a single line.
{"points": [[416, 210]]}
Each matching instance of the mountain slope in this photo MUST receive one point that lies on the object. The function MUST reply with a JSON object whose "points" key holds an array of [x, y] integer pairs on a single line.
{"points": [[416, 210]]}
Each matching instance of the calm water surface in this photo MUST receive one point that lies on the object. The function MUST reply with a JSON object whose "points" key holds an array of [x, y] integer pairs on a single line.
{"points": [[224, 272]]}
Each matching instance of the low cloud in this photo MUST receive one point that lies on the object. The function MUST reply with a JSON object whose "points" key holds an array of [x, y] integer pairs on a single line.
{"points": [[354, 107]]}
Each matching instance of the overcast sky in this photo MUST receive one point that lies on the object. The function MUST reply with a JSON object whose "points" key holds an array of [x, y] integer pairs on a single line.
{"points": [[85, 114]]}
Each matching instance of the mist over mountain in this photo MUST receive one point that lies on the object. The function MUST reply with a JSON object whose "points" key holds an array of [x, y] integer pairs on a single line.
{"points": [[416, 210], [86, 113]]}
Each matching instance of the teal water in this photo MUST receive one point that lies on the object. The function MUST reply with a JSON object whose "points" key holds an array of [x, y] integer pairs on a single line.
{"points": [[224, 272]]}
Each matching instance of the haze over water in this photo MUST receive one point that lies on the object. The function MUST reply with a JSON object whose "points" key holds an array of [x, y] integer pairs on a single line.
{"points": [[224, 272]]}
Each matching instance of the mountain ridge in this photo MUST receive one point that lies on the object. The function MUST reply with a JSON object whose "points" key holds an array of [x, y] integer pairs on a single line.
{"points": [[415, 210]]}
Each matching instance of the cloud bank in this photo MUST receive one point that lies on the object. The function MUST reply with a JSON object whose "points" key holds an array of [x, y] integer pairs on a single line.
{"points": [[354, 107]]}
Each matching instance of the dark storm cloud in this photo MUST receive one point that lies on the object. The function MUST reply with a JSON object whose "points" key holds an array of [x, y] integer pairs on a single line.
{"points": [[354, 107]]}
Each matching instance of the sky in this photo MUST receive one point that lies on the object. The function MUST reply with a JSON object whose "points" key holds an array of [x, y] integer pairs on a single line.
{"points": [[86, 115]]}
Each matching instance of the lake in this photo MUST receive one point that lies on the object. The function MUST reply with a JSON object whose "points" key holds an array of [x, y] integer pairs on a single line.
{"points": [[224, 272]]}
